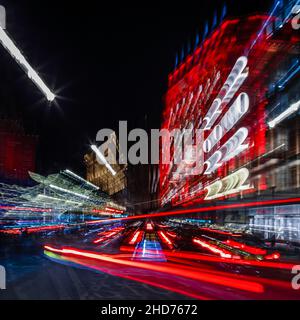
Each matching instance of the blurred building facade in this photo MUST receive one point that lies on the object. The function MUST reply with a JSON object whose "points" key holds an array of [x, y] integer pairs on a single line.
{"points": [[255, 154], [17, 152], [98, 174], [251, 62]]}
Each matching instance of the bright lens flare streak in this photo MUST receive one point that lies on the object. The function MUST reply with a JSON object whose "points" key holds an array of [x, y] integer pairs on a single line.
{"points": [[31, 73], [214, 249], [103, 160], [239, 284]]}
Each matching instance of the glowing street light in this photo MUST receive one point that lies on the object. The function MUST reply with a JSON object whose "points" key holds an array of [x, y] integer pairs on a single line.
{"points": [[31, 73], [103, 160]]}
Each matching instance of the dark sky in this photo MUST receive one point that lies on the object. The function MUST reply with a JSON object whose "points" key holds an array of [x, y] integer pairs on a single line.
{"points": [[109, 63]]}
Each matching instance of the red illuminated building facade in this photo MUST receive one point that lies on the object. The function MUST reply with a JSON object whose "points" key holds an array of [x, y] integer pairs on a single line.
{"points": [[17, 152], [223, 88]]}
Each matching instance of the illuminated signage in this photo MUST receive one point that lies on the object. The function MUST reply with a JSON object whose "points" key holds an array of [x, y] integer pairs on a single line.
{"points": [[232, 184], [234, 81], [235, 113]]}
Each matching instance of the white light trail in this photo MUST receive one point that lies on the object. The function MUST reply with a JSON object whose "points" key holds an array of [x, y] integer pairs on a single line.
{"points": [[69, 191], [31, 73], [58, 199], [103, 160], [289, 111], [265, 25], [81, 179]]}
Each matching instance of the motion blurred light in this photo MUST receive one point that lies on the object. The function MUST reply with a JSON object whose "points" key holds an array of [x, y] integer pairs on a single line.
{"points": [[288, 112], [71, 173], [9, 45], [68, 191], [103, 160]]}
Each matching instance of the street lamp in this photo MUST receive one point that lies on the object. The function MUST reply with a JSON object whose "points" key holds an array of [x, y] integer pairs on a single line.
{"points": [[12, 49]]}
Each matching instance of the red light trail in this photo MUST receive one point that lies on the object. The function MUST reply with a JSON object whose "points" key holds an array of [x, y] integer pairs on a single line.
{"points": [[165, 239], [203, 209], [175, 270], [246, 248], [227, 233], [213, 248], [138, 235], [205, 258], [163, 283], [273, 256], [114, 210], [25, 209], [17, 231], [172, 234], [108, 235]]}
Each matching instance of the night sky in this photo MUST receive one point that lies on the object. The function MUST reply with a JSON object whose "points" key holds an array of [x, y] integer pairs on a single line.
{"points": [[107, 63]]}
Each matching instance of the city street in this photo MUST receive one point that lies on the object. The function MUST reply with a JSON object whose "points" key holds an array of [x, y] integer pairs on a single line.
{"points": [[150, 153], [159, 259]]}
